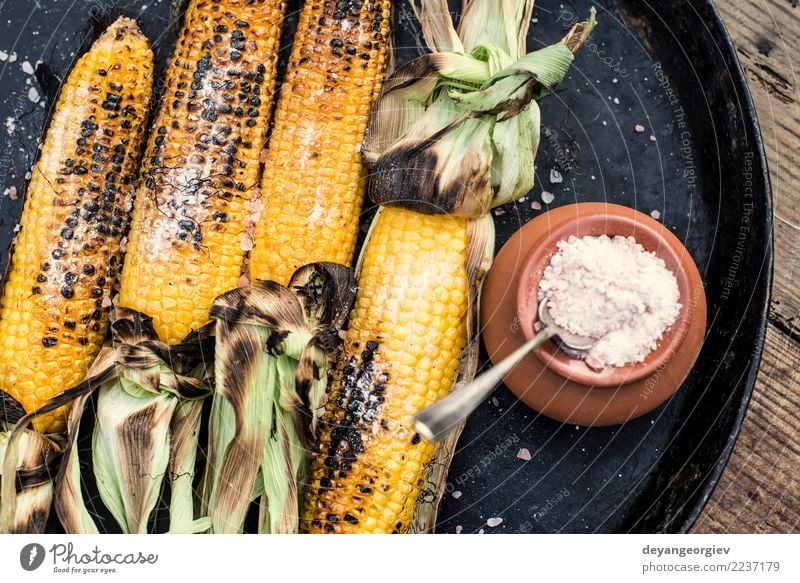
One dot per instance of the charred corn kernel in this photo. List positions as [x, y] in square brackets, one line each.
[314, 178]
[369, 469]
[67, 255]
[200, 174]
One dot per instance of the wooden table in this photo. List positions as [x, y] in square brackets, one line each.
[760, 489]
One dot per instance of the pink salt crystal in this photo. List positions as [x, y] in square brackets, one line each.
[456, 494]
[494, 522]
[612, 290]
[524, 454]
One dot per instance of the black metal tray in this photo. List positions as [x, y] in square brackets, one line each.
[668, 68]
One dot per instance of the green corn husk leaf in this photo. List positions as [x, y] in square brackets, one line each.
[502, 23]
[29, 462]
[437, 25]
[70, 506]
[274, 347]
[512, 166]
[146, 426]
[130, 450]
[446, 126]
[185, 432]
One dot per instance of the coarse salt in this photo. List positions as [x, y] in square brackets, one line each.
[524, 454]
[612, 290]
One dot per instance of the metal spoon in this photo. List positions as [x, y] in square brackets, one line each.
[440, 419]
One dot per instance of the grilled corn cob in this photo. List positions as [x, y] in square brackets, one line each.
[67, 255]
[314, 180]
[201, 167]
[407, 331]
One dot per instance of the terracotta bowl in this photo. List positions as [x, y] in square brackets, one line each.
[552, 382]
[648, 233]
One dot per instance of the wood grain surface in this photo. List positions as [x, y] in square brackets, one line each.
[760, 489]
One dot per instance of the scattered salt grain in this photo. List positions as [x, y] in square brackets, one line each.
[12, 193]
[612, 290]
[639, 128]
[33, 94]
[494, 522]
[652, 138]
[247, 242]
[459, 529]
[524, 454]
[655, 214]
[536, 205]
[499, 212]
[616, 100]
[495, 402]
[547, 197]
[555, 177]
[481, 531]
[11, 125]
[27, 68]
[456, 494]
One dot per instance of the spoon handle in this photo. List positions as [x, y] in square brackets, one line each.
[440, 419]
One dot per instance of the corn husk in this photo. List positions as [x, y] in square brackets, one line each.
[274, 347]
[29, 463]
[11, 410]
[146, 427]
[456, 131]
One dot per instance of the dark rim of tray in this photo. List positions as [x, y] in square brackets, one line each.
[719, 33]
